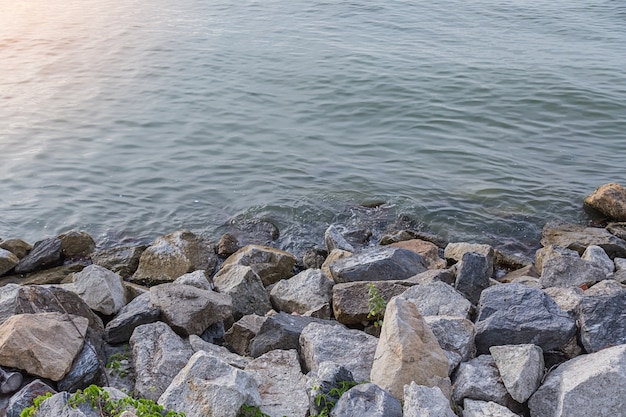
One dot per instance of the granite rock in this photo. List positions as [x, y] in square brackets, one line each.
[137, 312]
[422, 401]
[610, 200]
[45, 254]
[101, 289]
[521, 368]
[367, 400]
[306, 291]
[603, 316]
[242, 332]
[437, 298]
[577, 238]
[245, 288]
[270, 264]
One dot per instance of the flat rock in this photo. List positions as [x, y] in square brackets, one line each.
[437, 298]
[610, 200]
[123, 260]
[8, 260]
[45, 254]
[589, 385]
[76, 244]
[427, 250]
[479, 379]
[44, 344]
[101, 289]
[513, 314]
[521, 368]
[335, 240]
[242, 332]
[367, 400]
[444, 275]
[473, 275]
[603, 316]
[575, 237]
[137, 312]
[455, 336]
[245, 288]
[422, 401]
[473, 408]
[25, 396]
[270, 264]
[308, 290]
[55, 275]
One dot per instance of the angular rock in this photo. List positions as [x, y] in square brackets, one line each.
[521, 368]
[597, 256]
[479, 379]
[245, 288]
[227, 245]
[314, 258]
[422, 401]
[437, 298]
[85, 370]
[209, 387]
[25, 396]
[335, 240]
[620, 271]
[137, 312]
[407, 351]
[565, 271]
[16, 246]
[513, 314]
[444, 275]
[306, 291]
[567, 298]
[197, 344]
[270, 264]
[123, 260]
[102, 290]
[282, 385]
[589, 385]
[8, 296]
[173, 255]
[455, 336]
[542, 255]
[511, 261]
[7, 261]
[350, 300]
[617, 228]
[427, 250]
[58, 405]
[575, 237]
[610, 200]
[45, 254]
[367, 400]
[190, 310]
[527, 271]
[323, 385]
[56, 275]
[242, 332]
[333, 256]
[352, 349]
[473, 408]
[159, 354]
[76, 244]
[196, 279]
[603, 316]
[472, 276]
[455, 251]
[378, 264]
[42, 344]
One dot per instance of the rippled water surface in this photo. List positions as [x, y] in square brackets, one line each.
[481, 119]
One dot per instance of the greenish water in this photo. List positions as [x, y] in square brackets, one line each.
[481, 119]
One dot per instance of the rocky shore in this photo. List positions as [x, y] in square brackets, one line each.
[404, 326]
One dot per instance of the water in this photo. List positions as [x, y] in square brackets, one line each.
[481, 119]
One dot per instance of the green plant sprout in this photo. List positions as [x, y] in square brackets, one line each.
[376, 305]
[327, 401]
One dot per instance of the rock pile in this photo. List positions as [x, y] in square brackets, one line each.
[264, 329]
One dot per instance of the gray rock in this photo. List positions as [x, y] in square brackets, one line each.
[567, 298]
[367, 400]
[314, 258]
[527, 271]
[270, 264]
[565, 271]
[190, 310]
[16, 246]
[102, 290]
[197, 344]
[282, 385]
[8, 296]
[333, 256]
[479, 379]
[58, 406]
[85, 370]
[455, 336]
[245, 288]
[242, 332]
[352, 349]
[548, 252]
[620, 271]
[513, 314]
[530, 281]
[427, 250]
[615, 228]
[123, 260]
[308, 290]
[45, 254]
[422, 401]
[521, 368]
[603, 316]
[137, 312]
[323, 384]
[589, 385]
[610, 200]
[444, 275]
[209, 387]
[25, 396]
[378, 264]
[472, 276]
[455, 251]
[473, 408]
[335, 240]
[159, 354]
[437, 298]
[76, 244]
[577, 238]
[196, 279]
[227, 245]
[7, 261]
[597, 256]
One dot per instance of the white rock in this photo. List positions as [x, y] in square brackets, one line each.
[101, 289]
[521, 368]
[474, 408]
[421, 401]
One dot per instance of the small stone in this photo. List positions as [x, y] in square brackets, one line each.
[610, 200]
[314, 258]
[227, 245]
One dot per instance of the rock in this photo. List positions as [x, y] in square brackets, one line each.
[102, 290]
[10, 381]
[378, 264]
[527, 271]
[617, 228]
[473, 408]
[159, 354]
[270, 264]
[306, 291]
[137, 312]
[422, 401]
[85, 370]
[567, 298]
[577, 238]
[227, 245]
[436, 298]
[509, 261]
[620, 271]
[282, 385]
[367, 400]
[196, 279]
[25, 396]
[335, 240]
[76, 244]
[603, 316]
[444, 275]
[333, 256]
[209, 387]
[352, 349]
[597, 256]
[610, 200]
[542, 255]
[521, 368]
[589, 385]
[407, 351]
[242, 332]
[350, 300]
[58, 405]
[455, 336]
[427, 250]
[565, 271]
[479, 379]
[7, 261]
[45, 254]
[455, 251]
[8, 295]
[16, 246]
[314, 258]
[401, 235]
[173, 255]
[56, 275]
[190, 310]
[513, 314]
[197, 344]
[245, 288]
[42, 344]
[323, 385]
[123, 260]
[472, 276]
[530, 281]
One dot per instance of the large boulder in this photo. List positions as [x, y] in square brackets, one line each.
[367, 400]
[246, 290]
[407, 351]
[438, 298]
[137, 312]
[270, 264]
[521, 368]
[7, 261]
[76, 244]
[45, 254]
[479, 379]
[589, 385]
[44, 344]
[378, 264]
[173, 255]
[575, 237]
[123, 260]
[603, 316]
[242, 332]
[427, 250]
[102, 290]
[422, 401]
[610, 200]
[513, 314]
[309, 290]
[209, 387]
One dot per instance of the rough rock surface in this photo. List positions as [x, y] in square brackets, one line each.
[335, 240]
[137, 312]
[308, 290]
[610, 200]
[479, 379]
[245, 288]
[159, 354]
[324, 383]
[101, 289]
[567, 298]
[123, 260]
[550, 251]
[565, 271]
[472, 275]
[577, 238]
[422, 401]
[447, 276]
[437, 298]
[42, 344]
[227, 245]
[352, 349]
[16, 246]
[521, 368]
[407, 351]
[455, 251]
[25, 396]
[603, 316]
[76, 244]
[378, 264]
[427, 250]
[242, 332]
[7, 261]
[8, 295]
[85, 370]
[473, 408]
[512, 314]
[196, 279]
[589, 385]
[455, 336]
[333, 256]
[270, 264]
[45, 253]
[209, 387]
[597, 256]
[367, 400]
